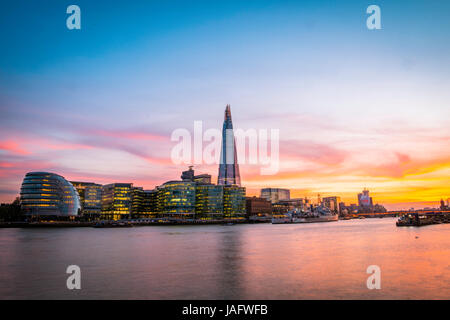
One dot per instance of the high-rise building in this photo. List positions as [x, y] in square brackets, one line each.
[274, 195]
[234, 202]
[137, 201]
[150, 204]
[189, 175]
[116, 201]
[208, 201]
[229, 167]
[176, 199]
[90, 198]
[332, 203]
[443, 205]
[143, 203]
[364, 200]
[48, 195]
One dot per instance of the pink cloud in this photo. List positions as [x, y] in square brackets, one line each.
[13, 147]
[132, 135]
[311, 151]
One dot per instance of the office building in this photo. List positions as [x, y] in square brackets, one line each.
[256, 206]
[46, 195]
[332, 203]
[176, 199]
[116, 201]
[90, 199]
[234, 202]
[189, 175]
[228, 167]
[284, 206]
[364, 199]
[208, 201]
[275, 195]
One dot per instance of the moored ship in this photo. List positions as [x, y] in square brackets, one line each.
[318, 214]
[282, 218]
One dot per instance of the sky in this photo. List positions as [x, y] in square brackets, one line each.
[355, 108]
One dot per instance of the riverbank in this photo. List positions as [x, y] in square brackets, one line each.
[160, 222]
[134, 223]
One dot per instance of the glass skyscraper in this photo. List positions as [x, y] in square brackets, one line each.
[229, 167]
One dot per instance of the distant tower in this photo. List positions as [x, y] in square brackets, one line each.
[364, 200]
[229, 167]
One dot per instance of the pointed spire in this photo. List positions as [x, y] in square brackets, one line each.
[229, 167]
[227, 112]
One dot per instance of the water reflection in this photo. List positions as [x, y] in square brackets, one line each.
[313, 261]
[229, 263]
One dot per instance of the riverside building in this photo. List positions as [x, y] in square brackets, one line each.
[116, 201]
[176, 199]
[195, 197]
[234, 202]
[332, 203]
[275, 195]
[259, 207]
[208, 201]
[46, 195]
[90, 199]
[229, 167]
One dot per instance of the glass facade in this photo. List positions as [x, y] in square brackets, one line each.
[332, 203]
[150, 204]
[90, 197]
[143, 203]
[275, 195]
[209, 202]
[137, 201]
[229, 167]
[199, 199]
[116, 201]
[176, 199]
[234, 202]
[48, 194]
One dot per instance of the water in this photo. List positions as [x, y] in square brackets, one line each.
[263, 261]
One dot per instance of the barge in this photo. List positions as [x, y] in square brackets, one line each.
[418, 219]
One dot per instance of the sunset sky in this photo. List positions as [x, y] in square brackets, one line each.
[355, 107]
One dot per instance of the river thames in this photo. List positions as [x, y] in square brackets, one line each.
[259, 261]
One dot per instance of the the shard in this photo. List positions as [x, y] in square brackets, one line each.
[229, 167]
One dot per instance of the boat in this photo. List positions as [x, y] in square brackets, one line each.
[318, 214]
[114, 224]
[282, 218]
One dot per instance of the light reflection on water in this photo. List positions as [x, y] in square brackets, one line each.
[264, 261]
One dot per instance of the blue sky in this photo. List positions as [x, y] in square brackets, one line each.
[311, 68]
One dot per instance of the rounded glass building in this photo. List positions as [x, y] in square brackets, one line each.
[48, 194]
